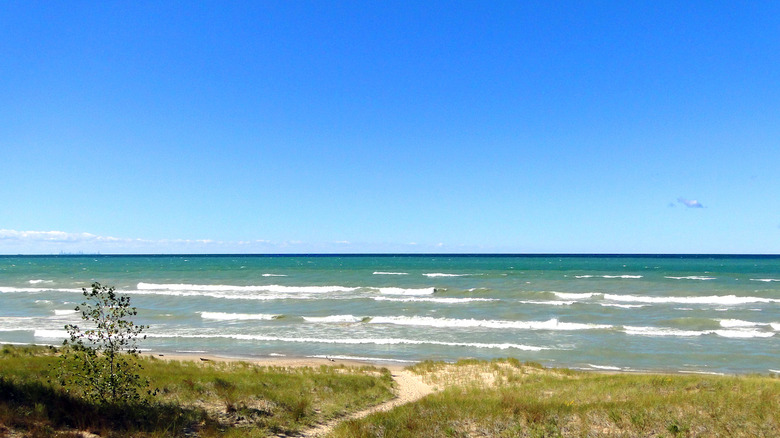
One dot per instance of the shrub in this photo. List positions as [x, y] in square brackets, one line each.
[102, 360]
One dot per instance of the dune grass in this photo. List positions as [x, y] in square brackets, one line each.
[505, 398]
[193, 398]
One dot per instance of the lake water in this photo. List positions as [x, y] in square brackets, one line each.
[701, 314]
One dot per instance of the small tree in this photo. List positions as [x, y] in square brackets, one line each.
[93, 358]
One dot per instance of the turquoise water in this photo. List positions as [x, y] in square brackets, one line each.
[643, 313]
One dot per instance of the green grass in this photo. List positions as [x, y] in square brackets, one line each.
[509, 399]
[194, 398]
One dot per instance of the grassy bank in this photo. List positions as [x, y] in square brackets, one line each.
[502, 398]
[509, 399]
[194, 398]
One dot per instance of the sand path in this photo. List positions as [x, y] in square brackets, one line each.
[410, 388]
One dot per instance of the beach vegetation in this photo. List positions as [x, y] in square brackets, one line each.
[100, 360]
[195, 398]
[507, 398]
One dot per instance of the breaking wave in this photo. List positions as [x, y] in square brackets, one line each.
[221, 316]
[229, 288]
[355, 341]
[402, 291]
[334, 319]
[426, 321]
[435, 300]
[664, 331]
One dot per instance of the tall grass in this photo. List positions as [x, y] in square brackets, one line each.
[509, 399]
[201, 399]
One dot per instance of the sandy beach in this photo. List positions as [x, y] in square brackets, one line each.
[409, 387]
[273, 361]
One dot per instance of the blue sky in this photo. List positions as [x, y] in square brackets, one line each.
[272, 127]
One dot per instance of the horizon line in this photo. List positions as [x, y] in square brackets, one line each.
[401, 254]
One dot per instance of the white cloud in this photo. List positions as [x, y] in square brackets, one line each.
[690, 203]
[35, 242]
[57, 242]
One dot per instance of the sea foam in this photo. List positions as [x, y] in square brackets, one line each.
[426, 321]
[402, 291]
[230, 288]
[51, 334]
[664, 331]
[221, 316]
[354, 341]
[435, 300]
[578, 296]
[604, 367]
[712, 299]
[333, 319]
[5, 289]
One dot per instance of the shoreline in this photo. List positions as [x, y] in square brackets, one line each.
[284, 361]
[394, 365]
[303, 361]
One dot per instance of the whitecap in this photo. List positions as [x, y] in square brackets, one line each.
[353, 341]
[274, 275]
[766, 280]
[663, 331]
[577, 296]
[548, 303]
[743, 334]
[333, 319]
[230, 288]
[51, 334]
[402, 291]
[435, 300]
[731, 323]
[41, 281]
[692, 277]
[660, 331]
[713, 299]
[5, 289]
[221, 316]
[604, 367]
[439, 274]
[62, 312]
[426, 321]
[624, 306]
